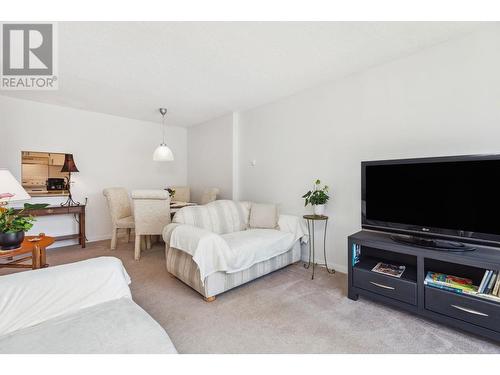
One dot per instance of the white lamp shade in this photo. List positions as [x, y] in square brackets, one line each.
[163, 153]
[10, 189]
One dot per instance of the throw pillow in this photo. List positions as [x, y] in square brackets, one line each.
[264, 216]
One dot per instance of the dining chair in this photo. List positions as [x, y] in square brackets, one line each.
[151, 215]
[182, 193]
[121, 212]
[209, 195]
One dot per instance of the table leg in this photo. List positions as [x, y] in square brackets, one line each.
[82, 229]
[43, 258]
[313, 247]
[324, 249]
[306, 266]
[35, 257]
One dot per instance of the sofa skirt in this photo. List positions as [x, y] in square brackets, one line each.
[181, 265]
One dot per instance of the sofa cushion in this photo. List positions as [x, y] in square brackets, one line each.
[222, 216]
[114, 327]
[257, 245]
[264, 216]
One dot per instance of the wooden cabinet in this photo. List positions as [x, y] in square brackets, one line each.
[56, 159]
[467, 312]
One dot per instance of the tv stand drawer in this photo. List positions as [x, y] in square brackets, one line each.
[399, 289]
[459, 306]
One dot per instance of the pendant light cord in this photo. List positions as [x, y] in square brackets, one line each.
[163, 128]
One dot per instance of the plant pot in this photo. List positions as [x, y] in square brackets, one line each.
[319, 209]
[10, 241]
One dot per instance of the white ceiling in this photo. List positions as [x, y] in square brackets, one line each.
[202, 70]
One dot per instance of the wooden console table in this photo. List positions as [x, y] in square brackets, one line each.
[59, 210]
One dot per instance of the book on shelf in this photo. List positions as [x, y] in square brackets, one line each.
[496, 289]
[389, 269]
[356, 253]
[491, 297]
[491, 283]
[450, 283]
[488, 289]
[483, 281]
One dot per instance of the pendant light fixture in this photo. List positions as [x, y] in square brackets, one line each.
[163, 152]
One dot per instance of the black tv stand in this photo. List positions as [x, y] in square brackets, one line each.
[472, 313]
[430, 243]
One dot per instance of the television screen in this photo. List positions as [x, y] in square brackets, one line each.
[452, 196]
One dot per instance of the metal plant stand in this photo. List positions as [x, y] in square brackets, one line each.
[310, 229]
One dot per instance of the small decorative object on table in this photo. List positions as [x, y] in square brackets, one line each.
[70, 167]
[310, 229]
[317, 198]
[171, 192]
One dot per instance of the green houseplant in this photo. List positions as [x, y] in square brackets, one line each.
[317, 197]
[14, 224]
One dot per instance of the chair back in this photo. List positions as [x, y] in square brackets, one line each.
[151, 211]
[209, 195]
[118, 202]
[182, 193]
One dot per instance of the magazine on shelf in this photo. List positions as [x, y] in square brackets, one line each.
[389, 269]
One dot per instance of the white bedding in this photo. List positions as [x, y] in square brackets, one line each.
[31, 297]
[235, 251]
[115, 327]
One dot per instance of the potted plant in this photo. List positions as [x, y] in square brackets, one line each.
[14, 224]
[317, 197]
[171, 192]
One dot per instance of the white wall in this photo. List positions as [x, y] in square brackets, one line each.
[210, 157]
[108, 151]
[442, 101]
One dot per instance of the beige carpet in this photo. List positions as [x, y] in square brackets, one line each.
[284, 312]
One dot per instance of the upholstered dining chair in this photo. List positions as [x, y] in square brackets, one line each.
[151, 215]
[209, 195]
[121, 212]
[182, 193]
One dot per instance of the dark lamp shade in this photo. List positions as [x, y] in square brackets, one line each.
[69, 164]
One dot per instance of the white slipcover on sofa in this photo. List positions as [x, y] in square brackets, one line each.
[82, 307]
[212, 248]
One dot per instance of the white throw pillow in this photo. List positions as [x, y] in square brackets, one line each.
[264, 216]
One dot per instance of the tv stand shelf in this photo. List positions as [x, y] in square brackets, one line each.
[470, 313]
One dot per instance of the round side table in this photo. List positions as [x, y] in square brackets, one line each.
[311, 219]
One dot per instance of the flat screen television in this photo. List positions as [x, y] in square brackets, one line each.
[454, 197]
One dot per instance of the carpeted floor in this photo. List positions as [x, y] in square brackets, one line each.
[284, 312]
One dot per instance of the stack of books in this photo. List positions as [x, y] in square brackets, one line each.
[450, 283]
[488, 289]
[490, 286]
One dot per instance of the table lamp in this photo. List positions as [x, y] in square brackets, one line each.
[69, 166]
[10, 189]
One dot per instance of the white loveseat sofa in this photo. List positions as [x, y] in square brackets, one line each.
[213, 249]
[79, 308]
